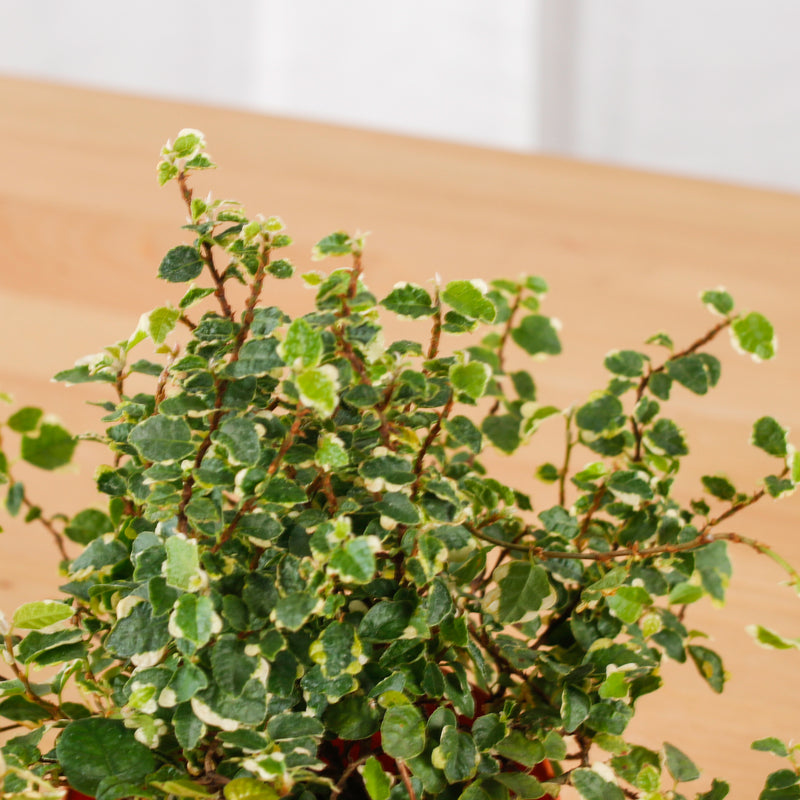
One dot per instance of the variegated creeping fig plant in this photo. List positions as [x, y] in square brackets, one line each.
[300, 581]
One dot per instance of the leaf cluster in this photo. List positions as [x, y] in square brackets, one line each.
[301, 580]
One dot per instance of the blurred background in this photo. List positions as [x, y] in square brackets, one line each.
[705, 88]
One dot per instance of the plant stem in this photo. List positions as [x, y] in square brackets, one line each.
[222, 387]
[643, 552]
[52, 709]
[501, 349]
[206, 252]
[288, 441]
[161, 386]
[429, 440]
[643, 383]
[693, 347]
[436, 332]
[406, 778]
[48, 524]
[351, 768]
[587, 520]
[562, 475]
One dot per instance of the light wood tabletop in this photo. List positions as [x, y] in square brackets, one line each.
[84, 225]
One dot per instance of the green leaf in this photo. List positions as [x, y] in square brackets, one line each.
[193, 619]
[14, 498]
[488, 730]
[679, 765]
[409, 300]
[166, 172]
[630, 486]
[456, 755]
[189, 679]
[36, 643]
[754, 334]
[337, 650]
[335, 244]
[779, 487]
[660, 384]
[194, 295]
[719, 486]
[249, 789]
[602, 413]
[615, 685]
[385, 621]
[471, 379]
[331, 452]
[771, 745]
[181, 787]
[627, 603]
[183, 562]
[91, 750]
[690, 371]
[718, 300]
[524, 385]
[289, 725]
[403, 731]
[524, 786]
[161, 438]
[627, 363]
[160, 322]
[354, 562]
[189, 729]
[240, 438]
[302, 344]
[537, 334]
[181, 264]
[718, 791]
[665, 438]
[784, 784]
[214, 706]
[257, 357]
[20, 709]
[519, 749]
[770, 437]
[51, 449]
[352, 718]
[25, 420]
[575, 707]
[464, 431]
[772, 640]
[397, 506]
[469, 299]
[503, 431]
[684, 593]
[318, 388]
[187, 142]
[88, 525]
[709, 664]
[292, 611]
[592, 786]
[392, 469]
[521, 589]
[137, 633]
[376, 781]
[281, 268]
[282, 490]
[41, 614]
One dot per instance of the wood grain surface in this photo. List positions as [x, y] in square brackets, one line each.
[84, 225]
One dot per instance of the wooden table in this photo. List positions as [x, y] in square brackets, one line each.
[83, 227]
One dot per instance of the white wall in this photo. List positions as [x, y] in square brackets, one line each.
[699, 87]
[456, 69]
[704, 87]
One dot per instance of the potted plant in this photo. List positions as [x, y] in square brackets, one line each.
[301, 581]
